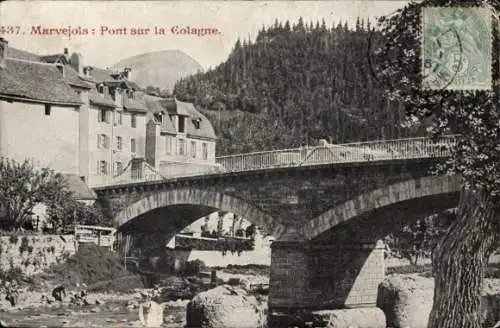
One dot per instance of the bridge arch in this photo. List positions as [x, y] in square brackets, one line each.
[423, 188]
[206, 198]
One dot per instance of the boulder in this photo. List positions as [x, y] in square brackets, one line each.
[349, 318]
[407, 300]
[225, 307]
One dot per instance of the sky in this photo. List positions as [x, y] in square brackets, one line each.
[109, 25]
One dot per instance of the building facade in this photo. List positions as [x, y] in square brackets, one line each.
[115, 127]
[39, 112]
[95, 123]
[179, 139]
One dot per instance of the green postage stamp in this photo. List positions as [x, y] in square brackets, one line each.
[456, 48]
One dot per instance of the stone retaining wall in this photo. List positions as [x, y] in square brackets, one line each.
[33, 253]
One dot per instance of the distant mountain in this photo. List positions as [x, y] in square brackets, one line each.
[160, 69]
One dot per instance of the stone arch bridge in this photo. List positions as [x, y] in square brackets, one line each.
[326, 206]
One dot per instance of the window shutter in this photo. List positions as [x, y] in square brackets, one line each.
[98, 168]
[98, 141]
[106, 141]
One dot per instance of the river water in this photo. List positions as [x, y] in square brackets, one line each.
[114, 314]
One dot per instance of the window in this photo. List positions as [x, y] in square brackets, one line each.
[133, 146]
[193, 149]
[119, 143]
[182, 128]
[204, 149]
[133, 120]
[196, 124]
[181, 148]
[168, 145]
[103, 115]
[102, 141]
[118, 118]
[118, 168]
[47, 109]
[100, 88]
[103, 168]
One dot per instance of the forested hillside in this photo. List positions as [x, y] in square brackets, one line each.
[293, 85]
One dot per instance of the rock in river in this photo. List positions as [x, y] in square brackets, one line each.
[225, 307]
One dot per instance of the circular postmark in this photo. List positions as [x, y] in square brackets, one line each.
[443, 58]
[456, 48]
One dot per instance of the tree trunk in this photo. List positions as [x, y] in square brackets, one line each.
[459, 262]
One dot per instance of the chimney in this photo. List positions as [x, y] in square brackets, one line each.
[3, 51]
[66, 54]
[127, 73]
[76, 61]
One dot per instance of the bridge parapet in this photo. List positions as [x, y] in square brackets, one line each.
[357, 152]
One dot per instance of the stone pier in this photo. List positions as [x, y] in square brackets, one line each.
[307, 277]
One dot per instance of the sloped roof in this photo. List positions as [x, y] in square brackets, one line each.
[21, 54]
[188, 108]
[176, 107]
[51, 59]
[154, 106]
[153, 103]
[79, 188]
[97, 99]
[102, 75]
[123, 82]
[134, 105]
[36, 81]
[206, 130]
[173, 108]
[71, 77]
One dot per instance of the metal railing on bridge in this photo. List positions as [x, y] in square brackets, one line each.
[381, 150]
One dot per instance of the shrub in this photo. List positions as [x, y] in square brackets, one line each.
[24, 245]
[14, 273]
[193, 268]
[13, 239]
[91, 265]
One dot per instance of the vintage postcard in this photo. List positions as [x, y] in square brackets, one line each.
[249, 164]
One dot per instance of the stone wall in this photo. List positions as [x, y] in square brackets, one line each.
[33, 253]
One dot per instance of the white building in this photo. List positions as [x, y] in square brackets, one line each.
[39, 112]
[179, 139]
